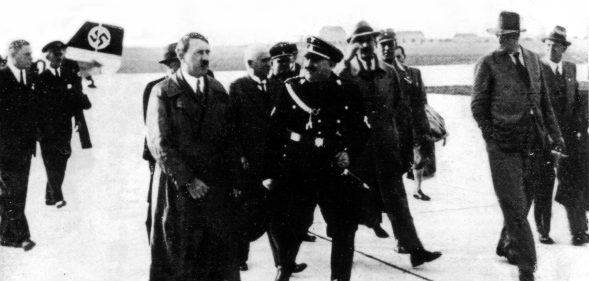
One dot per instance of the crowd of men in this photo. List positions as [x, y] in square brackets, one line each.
[228, 167]
[36, 105]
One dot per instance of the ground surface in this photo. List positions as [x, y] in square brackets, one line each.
[100, 234]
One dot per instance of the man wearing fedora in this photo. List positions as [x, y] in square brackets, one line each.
[316, 132]
[512, 108]
[571, 112]
[171, 62]
[60, 93]
[398, 122]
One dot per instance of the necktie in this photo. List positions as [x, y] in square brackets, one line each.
[22, 78]
[198, 91]
[521, 69]
[369, 65]
[263, 86]
[557, 71]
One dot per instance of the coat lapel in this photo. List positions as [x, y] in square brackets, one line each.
[569, 76]
[256, 96]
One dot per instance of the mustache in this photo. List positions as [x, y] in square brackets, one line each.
[204, 63]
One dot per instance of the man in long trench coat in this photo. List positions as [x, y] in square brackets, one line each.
[189, 134]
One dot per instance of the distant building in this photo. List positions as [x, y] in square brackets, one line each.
[410, 37]
[333, 34]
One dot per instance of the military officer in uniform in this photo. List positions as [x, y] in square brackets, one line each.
[60, 93]
[317, 130]
[283, 66]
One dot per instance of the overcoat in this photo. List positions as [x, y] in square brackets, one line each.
[191, 136]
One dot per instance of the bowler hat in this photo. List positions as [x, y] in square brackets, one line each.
[54, 45]
[508, 23]
[324, 49]
[362, 29]
[559, 34]
[170, 54]
[386, 35]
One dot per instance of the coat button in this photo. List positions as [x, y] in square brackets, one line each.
[319, 133]
[294, 107]
[319, 121]
[338, 121]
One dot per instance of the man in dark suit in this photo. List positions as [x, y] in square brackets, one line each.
[571, 111]
[18, 124]
[190, 135]
[424, 160]
[60, 94]
[171, 62]
[397, 123]
[251, 98]
[316, 131]
[512, 107]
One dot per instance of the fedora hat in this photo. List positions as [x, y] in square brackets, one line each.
[508, 23]
[169, 54]
[362, 29]
[559, 34]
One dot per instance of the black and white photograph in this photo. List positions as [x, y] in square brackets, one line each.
[278, 140]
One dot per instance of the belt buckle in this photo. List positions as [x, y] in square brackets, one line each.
[295, 137]
[319, 142]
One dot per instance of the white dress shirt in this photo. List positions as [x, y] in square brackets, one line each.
[554, 66]
[261, 83]
[521, 56]
[54, 70]
[193, 81]
[365, 66]
[17, 72]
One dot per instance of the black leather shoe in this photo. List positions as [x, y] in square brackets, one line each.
[422, 256]
[379, 232]
[60, 204]
[243, 267]
[421, 196]
[580, 239]
[401, 250]
[309, 238]
[282, 274]
[28, 245]
[299, 267]
[50, 202]
[545, 239]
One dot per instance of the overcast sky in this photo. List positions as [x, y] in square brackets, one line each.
[155, 23]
